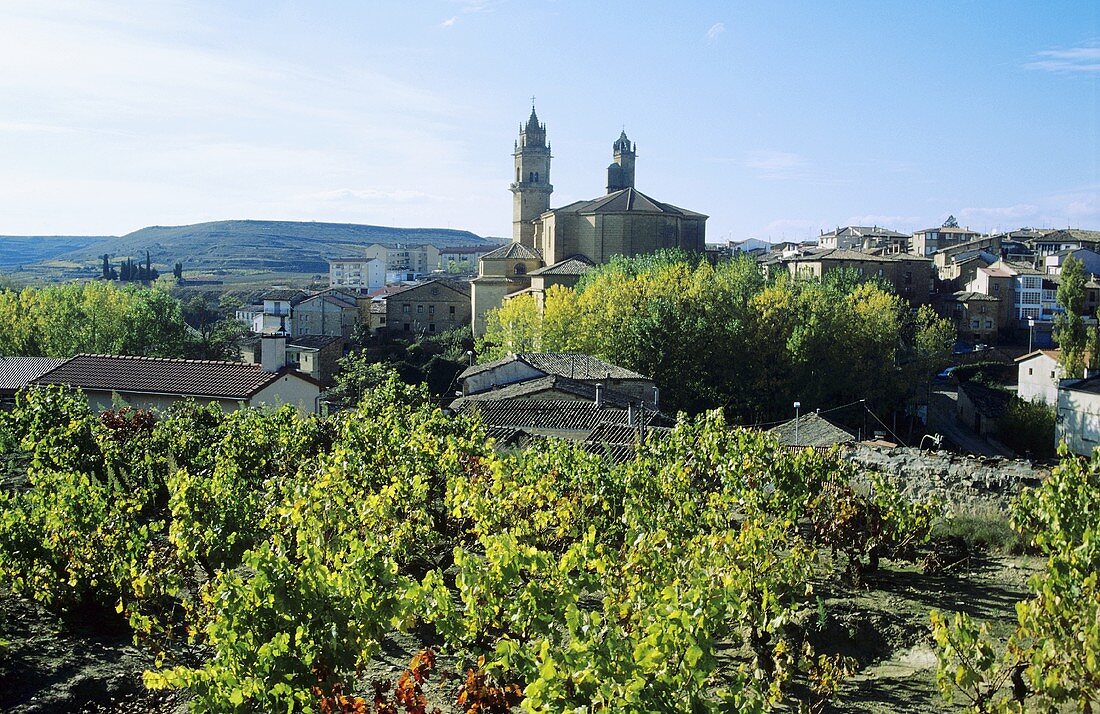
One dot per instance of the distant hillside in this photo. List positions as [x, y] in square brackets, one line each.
[16, 251]
[278, 246]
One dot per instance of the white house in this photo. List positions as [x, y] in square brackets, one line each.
[1078, 422]
[357, 273]
[278, 311]
[1039, 375]
[1090, 259]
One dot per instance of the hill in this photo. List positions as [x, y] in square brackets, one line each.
[239, 246]
[16, 251]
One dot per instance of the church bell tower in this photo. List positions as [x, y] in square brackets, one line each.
[620, 174]
[531, 189]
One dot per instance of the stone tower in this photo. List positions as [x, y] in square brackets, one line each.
[531, 190]
[620, 174]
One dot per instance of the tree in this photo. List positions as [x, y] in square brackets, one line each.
[106, 267]
[1069, 328]
[177, 270]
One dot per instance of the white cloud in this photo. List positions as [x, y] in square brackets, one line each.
[1018, 211]
[1073, 60]
[449, 22]
[373, 195]
[896, 223]
[715, 30]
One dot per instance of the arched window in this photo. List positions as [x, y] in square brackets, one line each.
[531, 177]
[536, 177]
[521, 269]
[518, 179]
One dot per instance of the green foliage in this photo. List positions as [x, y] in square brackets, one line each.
[1069, 328]
[720, 336]
[95, 316]
[991, 532]
[1028, 427]
[1052, 659]
[882, 523]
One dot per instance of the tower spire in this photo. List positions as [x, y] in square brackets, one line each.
[531, 189]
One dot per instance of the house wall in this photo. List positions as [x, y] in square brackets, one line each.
[429, 308]
[507, 373]
[967, 414]
[288, 389]
[1038, 379]
[977, 321]
[102, 400]
[358, 275]
[1078, 421]
[319, 316]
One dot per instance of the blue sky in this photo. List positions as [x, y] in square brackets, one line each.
[777, 119]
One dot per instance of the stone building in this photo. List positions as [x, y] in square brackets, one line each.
[625, 221]
[427, 308]
[910, 276]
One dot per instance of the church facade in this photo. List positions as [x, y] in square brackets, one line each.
[555, 246]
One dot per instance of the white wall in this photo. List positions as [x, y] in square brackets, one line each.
[288, 389]
[1038, 379]
[1078, 420]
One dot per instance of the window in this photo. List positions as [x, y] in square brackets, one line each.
[996, 288]
[1052, 374]
[975, 323]
[520, 269]
[989, 324]
[406, 327]
[431, 309]
[1030, 371]
[431, 327]
[405, 308]
[419, 309]
[452, 309]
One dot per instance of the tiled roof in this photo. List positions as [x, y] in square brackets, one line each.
[813, 430]
[313, 342]
[1089, 384]
[462, 287]
[285, 295]
[564, 364]
[573, 265]
[512, 251]
[553, 414]
[17, 372]
[550, 383]
[855, 255]
[1055, 355]
[864, 232]
[156, 375]
[627, 200]
[971, 296]
[987, 401]
[1071, 234]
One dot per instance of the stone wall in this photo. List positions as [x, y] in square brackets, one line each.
[965, 483]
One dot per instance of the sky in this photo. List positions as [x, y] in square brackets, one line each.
[777, 119]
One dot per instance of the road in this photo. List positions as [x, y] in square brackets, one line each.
[941, 418]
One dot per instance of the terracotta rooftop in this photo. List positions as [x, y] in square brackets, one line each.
[551, 383]
[627, 200]
[573, 265]
[512, 251]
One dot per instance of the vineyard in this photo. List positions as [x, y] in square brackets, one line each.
[265, 561]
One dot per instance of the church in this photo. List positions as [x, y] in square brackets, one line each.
[556, 246]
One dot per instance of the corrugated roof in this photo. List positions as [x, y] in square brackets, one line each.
[18, 372]
[157, 375]
[564, 364]
[813, 430]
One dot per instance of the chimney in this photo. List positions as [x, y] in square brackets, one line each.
[599, 395]
[273, 351]
[630, 414]
[656, 398]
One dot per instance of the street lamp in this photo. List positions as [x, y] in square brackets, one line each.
[1030, 332]
[797, 405]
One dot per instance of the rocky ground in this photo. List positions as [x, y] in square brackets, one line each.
[89, 664]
